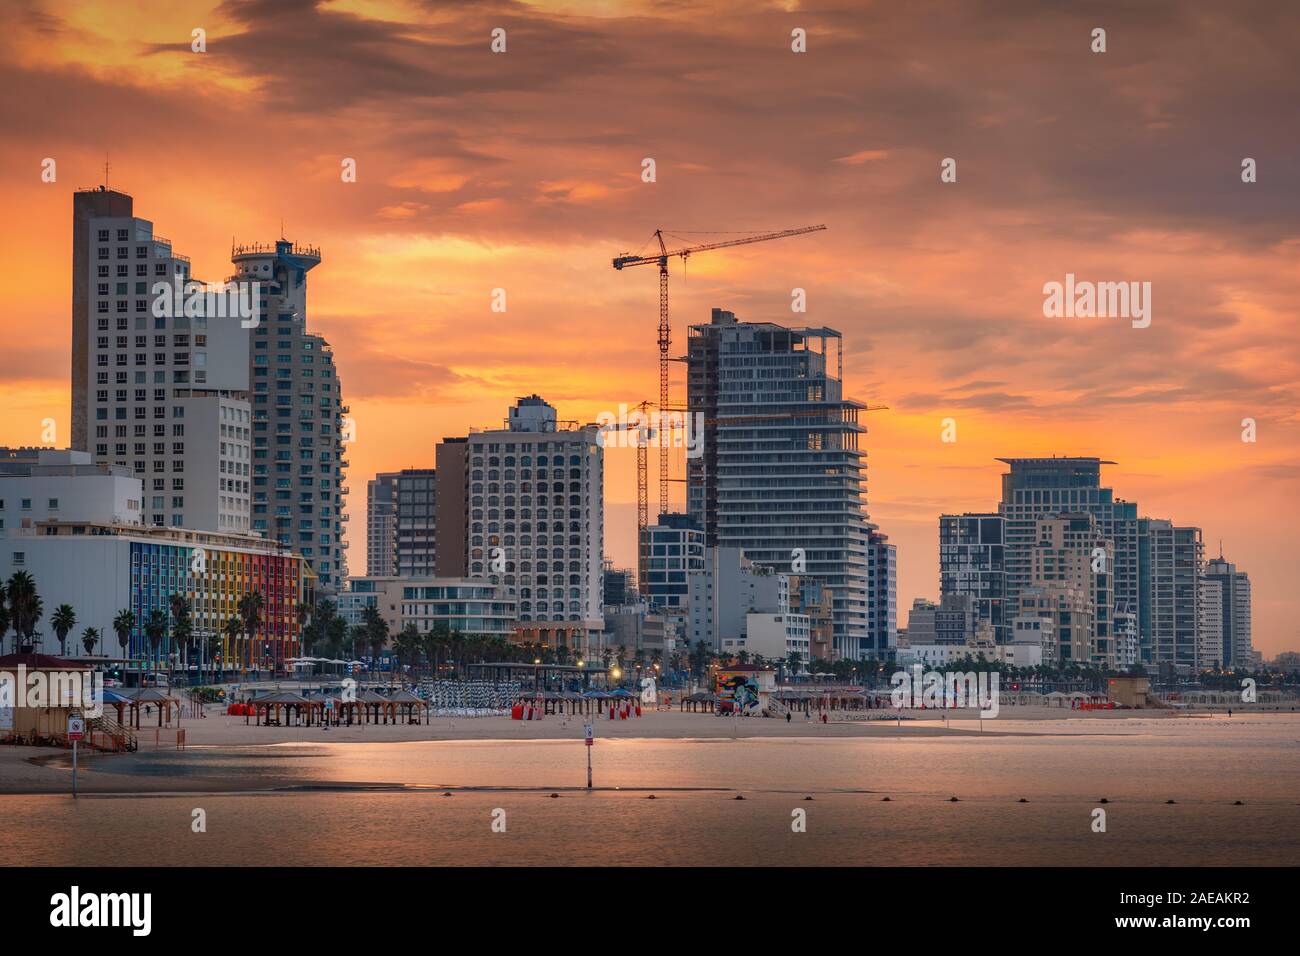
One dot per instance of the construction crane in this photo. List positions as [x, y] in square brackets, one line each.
[665, 329]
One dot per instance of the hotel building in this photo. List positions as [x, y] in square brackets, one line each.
[536, 523]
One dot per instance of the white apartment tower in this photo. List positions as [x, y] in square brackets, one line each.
[537, 523]
[155, 390]
[1233, 586]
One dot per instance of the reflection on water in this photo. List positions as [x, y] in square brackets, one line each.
[1062, 777]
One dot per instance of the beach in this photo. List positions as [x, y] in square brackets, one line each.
[45, 770]
[674, 788]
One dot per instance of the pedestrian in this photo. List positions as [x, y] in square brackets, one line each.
[787, 716]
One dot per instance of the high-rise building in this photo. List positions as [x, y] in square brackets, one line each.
[673, 548]
[157, 389]
[780, 476]
[1209, 625]
[882, 597]
[298, 414]
[1170, 562]
[1234, 601]
[1069, 550]
[536, 523]
[971, 563]
[381, 525]
[1034, 488]
[417, 537]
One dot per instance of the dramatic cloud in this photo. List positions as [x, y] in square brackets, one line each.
[522, 171]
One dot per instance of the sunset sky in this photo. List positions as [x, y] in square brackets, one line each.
[522, 171]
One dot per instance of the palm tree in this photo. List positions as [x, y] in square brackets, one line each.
[250, 612]
[407, 644]
[376, 633]
[155, 629]
[25, 609]
[231, 631]
[182, 626]
[123, 625]
[4, 616]
[63, 621]
[89, 638]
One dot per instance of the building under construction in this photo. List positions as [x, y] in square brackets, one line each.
[781, 475]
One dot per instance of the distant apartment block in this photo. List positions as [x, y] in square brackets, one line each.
[417, 533]
[381, 524]
[971, 563]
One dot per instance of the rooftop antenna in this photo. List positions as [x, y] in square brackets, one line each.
[105, 169]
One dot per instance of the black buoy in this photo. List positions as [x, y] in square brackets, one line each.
[739, 797]
[807, 798]
[884, 800]
[1022, 800]
[1169, 801]
[555, 796]
[651, 797]
[1238, 803]
[953, 800]
[1103, 800]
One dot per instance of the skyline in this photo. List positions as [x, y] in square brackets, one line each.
[936, 325]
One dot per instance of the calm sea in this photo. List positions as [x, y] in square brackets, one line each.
[387, 803]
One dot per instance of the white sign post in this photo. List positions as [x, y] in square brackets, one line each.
[591, 742]
[76, 731]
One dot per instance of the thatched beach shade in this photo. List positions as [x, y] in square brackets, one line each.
[153, 697]
[414, 705]
[375, 707]
[286, 706]
[701, 702]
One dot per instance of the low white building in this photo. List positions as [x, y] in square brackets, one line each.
[466, 605]
[57, 484]
[773, 636]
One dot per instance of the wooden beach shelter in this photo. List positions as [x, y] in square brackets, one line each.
[283, 709]
[702, 702]
[413, 705]
[20, 723]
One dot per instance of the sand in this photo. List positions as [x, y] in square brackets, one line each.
[45, 770]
